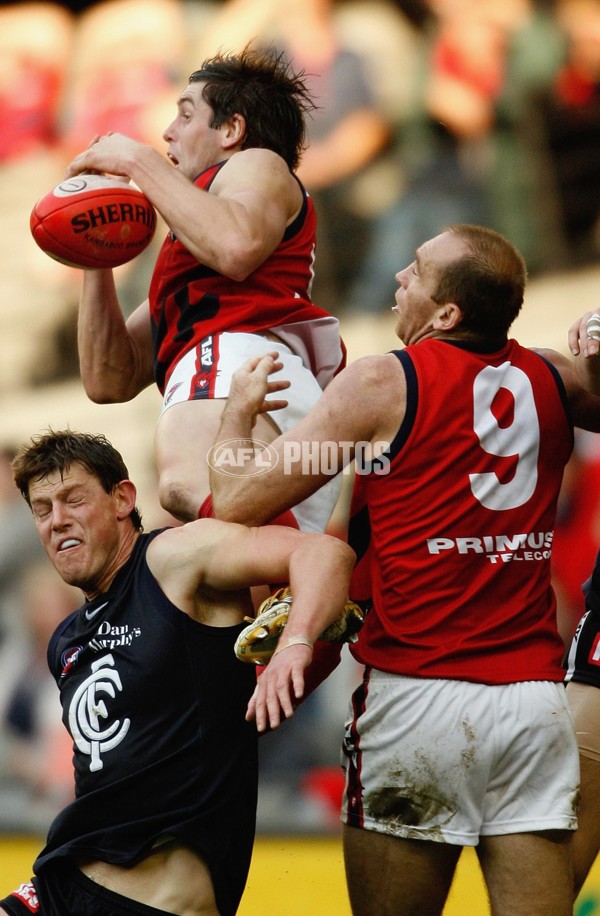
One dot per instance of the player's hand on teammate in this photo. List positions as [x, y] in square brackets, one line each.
[251, 384]
[584, 335]
[280, 687]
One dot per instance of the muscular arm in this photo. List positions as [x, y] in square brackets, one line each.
[233, 227]
[210, 556]
[365, 404]
[202, 563]
[115, 357]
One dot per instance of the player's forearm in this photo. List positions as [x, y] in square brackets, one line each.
[231, 490]
[217, 231]
[320, 570]
[200, 221]
[106, 354]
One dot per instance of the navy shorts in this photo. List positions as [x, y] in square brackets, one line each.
[63, 890]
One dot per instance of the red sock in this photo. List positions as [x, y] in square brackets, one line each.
[286, 518]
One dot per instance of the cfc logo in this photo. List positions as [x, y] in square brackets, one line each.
[89, 715]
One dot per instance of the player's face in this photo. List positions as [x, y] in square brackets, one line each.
[417, 283]
[78, 523]
[192, 144]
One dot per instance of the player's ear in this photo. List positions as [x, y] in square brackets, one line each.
[234, 131]
[125, 495]
[448, 317]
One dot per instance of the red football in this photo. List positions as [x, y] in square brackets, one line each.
[93, 221]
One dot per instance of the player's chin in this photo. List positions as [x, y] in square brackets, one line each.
[68, 566]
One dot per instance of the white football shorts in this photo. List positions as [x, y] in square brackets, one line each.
[205, 372]
[451, 761]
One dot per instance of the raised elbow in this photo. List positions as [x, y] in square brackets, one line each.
[103, 398]
[100, 394]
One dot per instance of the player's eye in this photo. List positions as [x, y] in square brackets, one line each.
[40, 512]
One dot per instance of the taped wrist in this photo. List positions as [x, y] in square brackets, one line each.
[293, 641]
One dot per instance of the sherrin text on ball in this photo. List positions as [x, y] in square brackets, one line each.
[93, 221]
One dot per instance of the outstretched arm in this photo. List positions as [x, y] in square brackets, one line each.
[363, 405]
[202, 564]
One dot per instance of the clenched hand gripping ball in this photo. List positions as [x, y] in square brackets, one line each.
[93, 221]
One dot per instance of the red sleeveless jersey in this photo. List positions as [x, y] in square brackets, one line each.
[462, 523]
[189, 301]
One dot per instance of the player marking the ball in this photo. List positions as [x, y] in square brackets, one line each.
[232, 280]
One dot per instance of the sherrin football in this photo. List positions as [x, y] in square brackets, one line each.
[92, 221]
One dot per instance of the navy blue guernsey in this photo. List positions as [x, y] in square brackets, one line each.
[155, 704]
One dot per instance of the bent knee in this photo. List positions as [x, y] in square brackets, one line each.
[181, 501]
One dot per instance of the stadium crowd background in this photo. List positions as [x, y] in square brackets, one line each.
[429, 113]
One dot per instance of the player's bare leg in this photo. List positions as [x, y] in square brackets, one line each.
[185, 433]
[584, 700]
[388, 876]
[528, 873]
[586, 840]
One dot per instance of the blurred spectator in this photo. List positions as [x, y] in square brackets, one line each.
[126, 68]
[65, 75]
[35, 49]
[520, 179]
[469, 146]
[570, 110]
[37, 749]
[19, 545]
[348, 134]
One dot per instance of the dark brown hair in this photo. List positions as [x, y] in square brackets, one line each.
[262, 87]
[57, 451]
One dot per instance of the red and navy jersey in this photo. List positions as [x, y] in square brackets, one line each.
[462, 522]
[189, 301]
